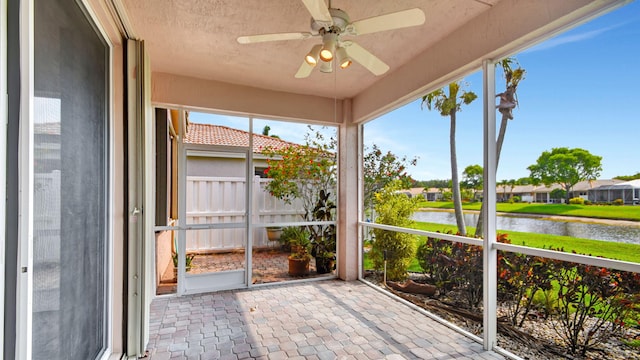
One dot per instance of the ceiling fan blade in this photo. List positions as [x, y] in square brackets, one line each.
[365, 58]
[396, 20]
[319, 11]
[304, 70]
[273, 37]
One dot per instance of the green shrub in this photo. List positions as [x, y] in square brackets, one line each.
[587, 202]
[546, 301]
[576, 201]
[514, 199]
[393, 208]
[453, 266]
[468, 274]
[557, 194]
[434, 257]
[618, 202]
[590, 292]
[520, 277]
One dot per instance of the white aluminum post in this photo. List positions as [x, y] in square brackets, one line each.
[3, 154]
[361, 209]
[181, 247]
[25, 199]
[490, 254]
[149, 200]
[248, 250]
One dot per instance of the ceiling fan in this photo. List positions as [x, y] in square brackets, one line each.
[332, 25]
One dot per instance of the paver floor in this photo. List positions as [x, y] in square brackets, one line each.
[329, 319]
[269, 265]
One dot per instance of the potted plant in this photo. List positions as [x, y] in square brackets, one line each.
[289, 234]
[300, 254]
[324, 252]
[323, 246]
[188, 262]
[274, 233]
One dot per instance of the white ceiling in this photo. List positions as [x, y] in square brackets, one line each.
[197, 38]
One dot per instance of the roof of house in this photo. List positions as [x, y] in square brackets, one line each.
[588, 185]
[633, 184]
[416, 191]
[207, 134]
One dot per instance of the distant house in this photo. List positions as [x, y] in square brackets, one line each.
[435, 194]
[526, 193]
[542, 193]
[581, 189]
[628, 191]
[415, 192]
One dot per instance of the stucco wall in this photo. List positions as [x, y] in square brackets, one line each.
[164, 262]
[219, 167]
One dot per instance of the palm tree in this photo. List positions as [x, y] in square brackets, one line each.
[448, 105]
[508, 101]
[512, 183]
[504, 184]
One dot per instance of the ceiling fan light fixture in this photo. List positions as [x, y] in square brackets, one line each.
[328, 46]
[326, 67]
[344, 61]
[312, 56]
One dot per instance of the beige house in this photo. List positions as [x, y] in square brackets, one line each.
[205, 139]
[78, 251]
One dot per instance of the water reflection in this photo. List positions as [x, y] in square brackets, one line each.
[626, 234]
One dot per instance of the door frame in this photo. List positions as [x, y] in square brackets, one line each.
[233, 279]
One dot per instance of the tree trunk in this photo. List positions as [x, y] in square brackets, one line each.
[499, 141]
[455, 184]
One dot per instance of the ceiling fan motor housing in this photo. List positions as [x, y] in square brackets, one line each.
[340, 22]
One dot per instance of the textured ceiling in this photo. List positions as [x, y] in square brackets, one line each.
[197, 38]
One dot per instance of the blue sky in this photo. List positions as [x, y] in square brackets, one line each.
[582, 89]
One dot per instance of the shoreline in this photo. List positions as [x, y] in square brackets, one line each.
[560, 218]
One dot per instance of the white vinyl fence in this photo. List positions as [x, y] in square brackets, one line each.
[218, 200]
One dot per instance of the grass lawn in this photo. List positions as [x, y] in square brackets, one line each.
[593, 211]
[606, 249]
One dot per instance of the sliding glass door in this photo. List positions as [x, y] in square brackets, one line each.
[70, 184]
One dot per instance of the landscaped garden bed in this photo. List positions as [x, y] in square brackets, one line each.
[548, 309]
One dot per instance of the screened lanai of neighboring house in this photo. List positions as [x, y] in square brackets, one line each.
[627, 192]
[79, 278]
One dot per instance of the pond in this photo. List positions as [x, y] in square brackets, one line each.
[627, 234]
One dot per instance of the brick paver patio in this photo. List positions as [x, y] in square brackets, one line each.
[269, 265]
[329, 319]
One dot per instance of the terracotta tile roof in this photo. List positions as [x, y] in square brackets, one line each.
[206, 134]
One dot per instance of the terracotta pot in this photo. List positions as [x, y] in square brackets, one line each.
[298, 267]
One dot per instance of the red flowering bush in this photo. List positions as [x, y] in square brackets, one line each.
[302, 171]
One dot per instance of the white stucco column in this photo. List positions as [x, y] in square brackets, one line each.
[348, 198]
